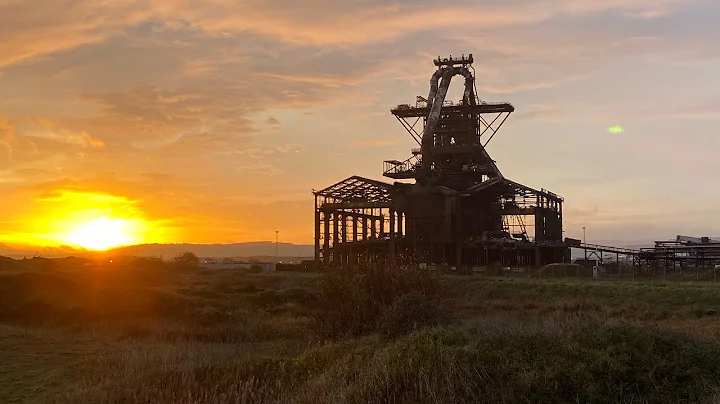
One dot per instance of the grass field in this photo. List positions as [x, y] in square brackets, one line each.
[143, 331]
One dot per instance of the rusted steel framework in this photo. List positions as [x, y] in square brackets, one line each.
[460, 210]
[684, 257]
[355, 216]
[683, 252]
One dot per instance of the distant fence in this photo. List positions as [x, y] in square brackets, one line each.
[305, 266]
[621, 273]
[264, 266]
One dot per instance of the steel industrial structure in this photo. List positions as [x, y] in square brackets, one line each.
[683, 252]
[669, 255]
[460, 210]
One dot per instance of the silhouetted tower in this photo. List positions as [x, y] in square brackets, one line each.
[453, 135]
[450, 161]
[277, 233]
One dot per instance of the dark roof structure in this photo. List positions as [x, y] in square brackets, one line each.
[357, 189]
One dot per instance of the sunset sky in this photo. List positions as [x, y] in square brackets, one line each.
[212, 120]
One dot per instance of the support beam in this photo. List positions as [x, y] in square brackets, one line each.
[392, 234]
[400, 231]
[336, 235]
[317, 234]
[343, 228]
[355, 226]
[326, 241]
[382, 225]
[457, 240]
[364, 228]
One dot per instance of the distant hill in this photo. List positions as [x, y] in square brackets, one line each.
[261, 250]
[48, 252]
[264, 249]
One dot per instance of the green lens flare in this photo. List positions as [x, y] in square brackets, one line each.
[615, 129]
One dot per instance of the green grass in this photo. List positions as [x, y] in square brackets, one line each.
[663, 299]
[143, 332]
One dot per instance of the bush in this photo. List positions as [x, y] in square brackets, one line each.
[355, 303]
[187, 260]
[144, 271]
[412, 312]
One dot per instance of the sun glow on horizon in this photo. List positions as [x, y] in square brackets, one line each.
[88, 220]
[104, 233]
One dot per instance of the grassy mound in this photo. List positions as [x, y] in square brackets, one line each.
[141, 331]
[390, 300]
[609, 364]
[606, 365]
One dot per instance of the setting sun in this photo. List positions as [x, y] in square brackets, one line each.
[90, 220]
[103, 233]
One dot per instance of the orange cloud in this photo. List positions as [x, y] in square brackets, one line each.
[31, 31]
[177, 106]
[376, 142]
[19, 150]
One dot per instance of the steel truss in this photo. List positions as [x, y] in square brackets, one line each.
[352, 212]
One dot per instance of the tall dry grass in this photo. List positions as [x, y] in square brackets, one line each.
[609, 364]
[379, 298]
[147, 332]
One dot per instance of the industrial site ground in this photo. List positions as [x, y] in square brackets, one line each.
[144, 331]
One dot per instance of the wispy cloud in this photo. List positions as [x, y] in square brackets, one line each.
[159, 100]
[376, 142]
[259, 168]
[705, 110]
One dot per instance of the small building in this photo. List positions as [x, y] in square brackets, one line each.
[586, 263]
[229, 263]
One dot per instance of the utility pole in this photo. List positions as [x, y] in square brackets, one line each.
[583, 234]
[277, 232]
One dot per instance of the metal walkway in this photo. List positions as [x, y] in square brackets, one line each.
[607, 249]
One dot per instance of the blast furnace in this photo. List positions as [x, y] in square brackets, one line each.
[457, 208]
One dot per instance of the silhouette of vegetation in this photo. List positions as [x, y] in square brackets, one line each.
[187, 260]
[353, 303]
[138, 330]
